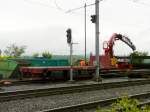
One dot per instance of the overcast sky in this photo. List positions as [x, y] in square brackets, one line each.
[41, 24]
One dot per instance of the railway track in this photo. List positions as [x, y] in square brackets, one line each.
[99, 103]
[15, 95]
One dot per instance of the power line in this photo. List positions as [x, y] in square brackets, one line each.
[141, 3]
[38, 3]
[71, 10]
[57, 6]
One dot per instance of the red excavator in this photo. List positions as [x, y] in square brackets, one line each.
[108, 60]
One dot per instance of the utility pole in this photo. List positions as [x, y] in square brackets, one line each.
[70, 43]
[97, 77]
[85, 32]
[71, 70]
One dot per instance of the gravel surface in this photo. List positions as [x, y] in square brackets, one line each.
[40, 103]
[54, 85]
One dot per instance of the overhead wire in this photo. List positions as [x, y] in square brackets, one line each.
[140, 3]
[57, 6]
[38, 3]
[71, 10]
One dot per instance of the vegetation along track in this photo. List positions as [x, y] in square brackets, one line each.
[99, 103]
[15, 95]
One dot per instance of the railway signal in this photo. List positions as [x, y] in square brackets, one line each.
[93, 18]
[69, 41]
[69, 35]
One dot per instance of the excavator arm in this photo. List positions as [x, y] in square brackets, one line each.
[108, 48]
[127, 41]
[108, 45]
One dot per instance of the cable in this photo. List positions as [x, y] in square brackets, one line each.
[38, 3]
[141, 3]
[71, 10]
[57, 6]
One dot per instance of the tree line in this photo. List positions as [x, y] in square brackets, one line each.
[15, 51]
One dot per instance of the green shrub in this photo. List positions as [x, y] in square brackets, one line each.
[46, 54]
[125, 105]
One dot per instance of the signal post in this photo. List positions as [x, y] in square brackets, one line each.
[69, 41]
[95, 19]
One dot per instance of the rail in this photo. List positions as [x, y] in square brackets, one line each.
[95, 104]
[15, 95]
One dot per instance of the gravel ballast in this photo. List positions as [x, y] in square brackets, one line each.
[42, 103]
[56, 85]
